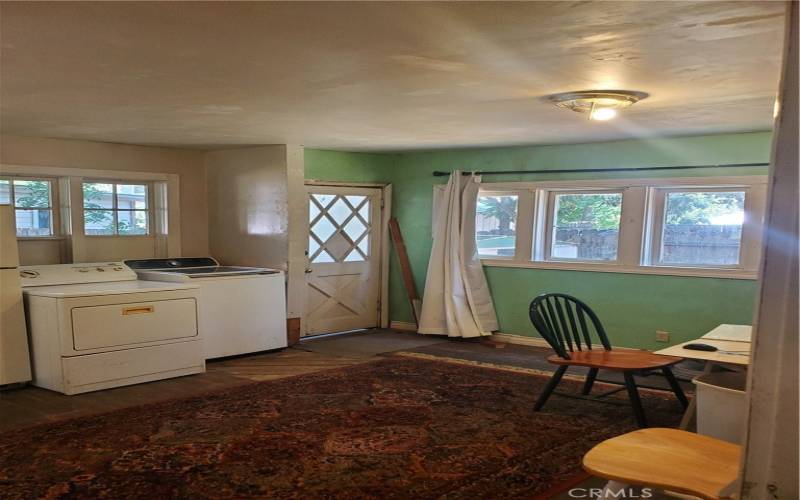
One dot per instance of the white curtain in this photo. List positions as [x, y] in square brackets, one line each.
[457, 302]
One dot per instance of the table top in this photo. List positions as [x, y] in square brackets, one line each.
[730, 351]
[741, 333]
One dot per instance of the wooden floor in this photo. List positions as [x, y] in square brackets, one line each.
[31, 405]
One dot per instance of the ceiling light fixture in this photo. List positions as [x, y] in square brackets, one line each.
[600, 105]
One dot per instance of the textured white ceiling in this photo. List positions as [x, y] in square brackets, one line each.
[382, 76]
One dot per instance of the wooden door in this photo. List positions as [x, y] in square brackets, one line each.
[343, 271]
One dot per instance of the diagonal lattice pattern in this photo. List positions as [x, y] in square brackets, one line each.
[340, 228]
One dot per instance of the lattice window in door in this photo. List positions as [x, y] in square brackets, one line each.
[340, 228]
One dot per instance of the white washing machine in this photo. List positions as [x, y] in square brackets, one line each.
[242, 309]
[95, 326]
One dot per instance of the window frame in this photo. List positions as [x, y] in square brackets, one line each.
[166, 210]
[55, 222]
[634, 250]
[549, 228]
[115, 208]
[651, 255]
[518, 244]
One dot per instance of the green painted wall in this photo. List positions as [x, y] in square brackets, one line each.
[341, 166]
[632, 306]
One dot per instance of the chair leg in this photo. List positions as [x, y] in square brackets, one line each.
[587, 386]
[551, 385]
[676, 387]
[636, 403]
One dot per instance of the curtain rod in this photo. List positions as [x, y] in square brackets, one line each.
[438, 173]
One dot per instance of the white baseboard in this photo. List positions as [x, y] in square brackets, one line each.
[540, 342]
[403, 325]
[520, 339]
[500, 337]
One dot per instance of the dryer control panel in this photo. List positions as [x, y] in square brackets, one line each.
[71, 274]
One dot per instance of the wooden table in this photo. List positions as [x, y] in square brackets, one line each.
[733, 344]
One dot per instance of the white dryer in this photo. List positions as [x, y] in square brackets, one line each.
[95, 326]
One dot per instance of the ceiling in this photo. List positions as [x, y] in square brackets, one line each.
[382, 76]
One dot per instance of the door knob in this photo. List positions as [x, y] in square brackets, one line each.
[309, 270]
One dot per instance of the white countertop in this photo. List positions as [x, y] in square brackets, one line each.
[106, 288]
[740, 333]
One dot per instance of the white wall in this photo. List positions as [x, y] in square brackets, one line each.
[248, 206]
[298, 231]
[770, 456]
[187, 164]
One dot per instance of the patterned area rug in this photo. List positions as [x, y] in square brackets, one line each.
[393, 428]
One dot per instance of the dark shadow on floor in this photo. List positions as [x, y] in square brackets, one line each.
[367, 343]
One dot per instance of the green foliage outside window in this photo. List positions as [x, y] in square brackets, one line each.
[96, 213]
[502, 208]
[699, 208]
[597, 211]
[32, 194]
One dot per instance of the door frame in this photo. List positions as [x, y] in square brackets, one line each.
[386, 214]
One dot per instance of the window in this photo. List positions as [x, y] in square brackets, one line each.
[496, 224]
[585, 226]
[339, 228]
[689, 226]
[700, 228]
[33, 205]
[115, 209]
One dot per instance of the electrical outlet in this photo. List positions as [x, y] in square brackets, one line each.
[662, 336]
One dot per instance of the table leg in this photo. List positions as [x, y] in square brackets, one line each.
[689, 414]
[613, 490]
[691, 411]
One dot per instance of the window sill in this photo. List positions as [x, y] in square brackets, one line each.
[739, 274]
[118, 236]
[496, 258]
[40, 238]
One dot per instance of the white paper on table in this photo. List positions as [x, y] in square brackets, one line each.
[738, 333]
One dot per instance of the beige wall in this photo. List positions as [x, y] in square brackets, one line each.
[124, 247]
[37, 252]
[248, 206]
[187, 164]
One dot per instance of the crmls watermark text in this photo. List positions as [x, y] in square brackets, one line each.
[602, 493]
